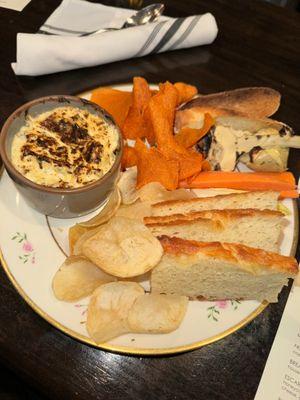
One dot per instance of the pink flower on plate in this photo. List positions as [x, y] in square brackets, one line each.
[222, 304]
[27, 246]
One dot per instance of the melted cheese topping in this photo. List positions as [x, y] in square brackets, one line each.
[65, 148]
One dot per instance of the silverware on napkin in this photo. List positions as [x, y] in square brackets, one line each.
[141, 17]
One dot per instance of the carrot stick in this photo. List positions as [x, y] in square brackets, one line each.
[292, 194]
[279, 181]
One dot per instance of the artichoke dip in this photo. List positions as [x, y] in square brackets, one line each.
[65, 148]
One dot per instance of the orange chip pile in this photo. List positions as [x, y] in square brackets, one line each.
[148, 115]
[162, 109]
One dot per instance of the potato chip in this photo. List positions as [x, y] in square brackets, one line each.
[74, 234]
[123, 247]
[108, 310]
[154, 192]
[77, 248]
[129, 157]
[154, 167]
[77, 278]
[107, 211]
[186, 92]
[157, 313]
[127, 186]
[138, 210]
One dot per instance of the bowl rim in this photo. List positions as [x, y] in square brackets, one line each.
[58, 98]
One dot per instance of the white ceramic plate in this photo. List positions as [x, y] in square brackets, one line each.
[33, 247]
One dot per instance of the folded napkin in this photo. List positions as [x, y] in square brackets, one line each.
[66, 40]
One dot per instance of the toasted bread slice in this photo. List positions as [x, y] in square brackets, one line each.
[267, 200]
[256, 228]
[220, 271]
[253, 102]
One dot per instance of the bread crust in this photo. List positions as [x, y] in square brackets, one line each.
[204, 200]
[218, 216]
[252, 260]
[253, 101]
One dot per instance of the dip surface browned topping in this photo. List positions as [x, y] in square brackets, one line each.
[65, 148]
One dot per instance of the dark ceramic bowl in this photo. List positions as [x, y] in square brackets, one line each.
[56, 202]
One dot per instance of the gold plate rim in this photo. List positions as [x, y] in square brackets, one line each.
[145, 351]
[126, 349]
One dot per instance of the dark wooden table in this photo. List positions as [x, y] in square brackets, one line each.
[258, 44]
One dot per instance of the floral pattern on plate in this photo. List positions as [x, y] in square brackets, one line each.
[27, 253]
[213, 312]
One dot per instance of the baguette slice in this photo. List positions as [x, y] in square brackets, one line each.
[259, 200]
[220, 271]
[253, 102]
[255, 228]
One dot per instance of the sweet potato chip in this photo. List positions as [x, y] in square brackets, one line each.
[134, 125]
[167, 98]
[116, 102]
[141, 93]
[154, 167]
[149, 132]
[162, 110]
[188, 137]
[129, 158]
[185, 92]
[189, 164]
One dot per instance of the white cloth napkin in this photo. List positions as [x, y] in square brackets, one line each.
[60, 46]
